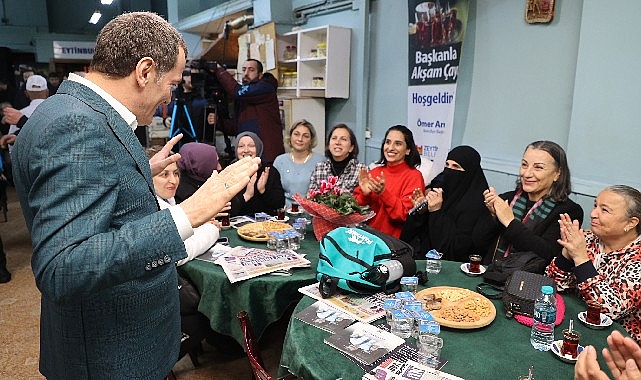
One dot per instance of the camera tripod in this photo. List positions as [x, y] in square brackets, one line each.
[173, 131]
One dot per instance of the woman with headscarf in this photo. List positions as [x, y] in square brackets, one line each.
[197, 163]
[454, 204]
[264, 192]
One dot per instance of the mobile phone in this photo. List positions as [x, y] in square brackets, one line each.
[223, 240]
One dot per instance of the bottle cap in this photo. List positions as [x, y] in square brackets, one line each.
[546, 289]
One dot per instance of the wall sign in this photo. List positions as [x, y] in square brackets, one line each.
[73, 49]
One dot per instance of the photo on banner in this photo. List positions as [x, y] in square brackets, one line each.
[436, 32]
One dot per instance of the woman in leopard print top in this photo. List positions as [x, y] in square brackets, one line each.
[605, 263]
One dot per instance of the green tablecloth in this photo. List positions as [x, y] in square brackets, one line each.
[501, 350]
[265, 298]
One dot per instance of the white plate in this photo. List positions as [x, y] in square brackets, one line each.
[465, 268]
[289, 211]
[556, 350]
[275, 219]
[605, 321]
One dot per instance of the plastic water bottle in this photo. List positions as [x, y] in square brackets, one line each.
[385, 272]
[542, 334]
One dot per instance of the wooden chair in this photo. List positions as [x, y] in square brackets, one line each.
[251, 347]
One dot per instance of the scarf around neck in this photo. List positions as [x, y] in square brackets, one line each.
[530, 218]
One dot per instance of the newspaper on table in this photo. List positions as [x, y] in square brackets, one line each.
[241, 263]
[213, 253]
[364, 342]
[365, 308]
[410, 370]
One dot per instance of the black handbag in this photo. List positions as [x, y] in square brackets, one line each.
[500, 270]
[519, 293]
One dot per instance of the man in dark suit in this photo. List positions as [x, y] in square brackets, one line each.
[103, 254]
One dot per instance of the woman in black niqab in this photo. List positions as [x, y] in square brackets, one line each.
[455, 204]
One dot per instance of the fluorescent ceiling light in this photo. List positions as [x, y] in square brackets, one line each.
[106, 2]
[95, 17]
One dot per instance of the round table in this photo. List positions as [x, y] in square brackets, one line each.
[265, 298]
[499, 350]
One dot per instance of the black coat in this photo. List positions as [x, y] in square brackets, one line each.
[272, 199]
[540, 239]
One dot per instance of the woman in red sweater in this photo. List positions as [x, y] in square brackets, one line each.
[387, 188]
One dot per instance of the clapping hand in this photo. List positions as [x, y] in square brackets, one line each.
[434, 199]
[262, 181]
[498, 207]
[622, 358]
[219, 189]
[572, 240]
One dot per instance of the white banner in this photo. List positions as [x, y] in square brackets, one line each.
[430, 116]
[74, 49]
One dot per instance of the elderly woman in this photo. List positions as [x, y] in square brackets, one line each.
[387, 188]
[604, 263]
[197, 162]
[296, 167]
[264, 192]
[525, 220]
[454, 207]
[342, 162]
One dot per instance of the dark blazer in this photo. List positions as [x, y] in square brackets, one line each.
[103, 254]
[541, 239]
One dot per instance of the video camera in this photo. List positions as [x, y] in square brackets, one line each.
[205, 81]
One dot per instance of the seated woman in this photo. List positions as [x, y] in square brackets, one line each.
[387, 188]
[197, 162]
[342, 162]
[454, 207]
[264, 192]
[296, 167]
[165, 184]
[525, 219]
[604, 263]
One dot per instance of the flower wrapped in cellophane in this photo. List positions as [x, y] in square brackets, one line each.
[331, 207]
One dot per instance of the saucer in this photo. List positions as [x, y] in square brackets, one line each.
[275, 219]
[465, 268]
[556, 350]
[289, 211]
[605, 321]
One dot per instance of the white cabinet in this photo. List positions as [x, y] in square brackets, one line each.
[320, 65]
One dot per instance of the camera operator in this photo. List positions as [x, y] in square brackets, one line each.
[187, 97]
[255, 106]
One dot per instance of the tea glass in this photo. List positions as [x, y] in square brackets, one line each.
[570, 343]
[475, 264]
[593, 315]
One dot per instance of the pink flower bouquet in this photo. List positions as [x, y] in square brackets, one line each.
[332, 207]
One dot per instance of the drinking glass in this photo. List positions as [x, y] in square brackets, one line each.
[475, 264]
[570, 343]
[401, 324]
[429, 349]
[593, 314]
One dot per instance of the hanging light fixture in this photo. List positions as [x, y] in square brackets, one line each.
[95, 17]
[106, 2]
